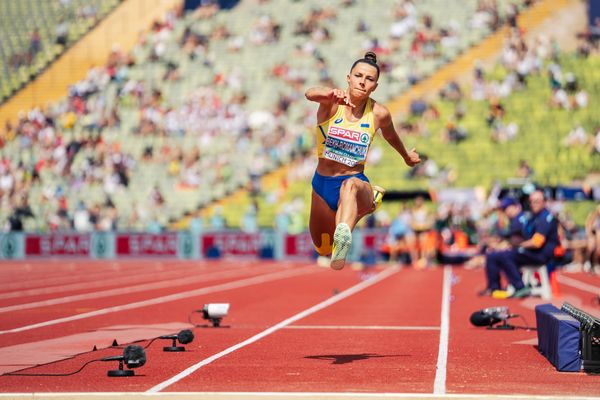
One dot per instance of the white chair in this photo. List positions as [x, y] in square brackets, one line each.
[541, 288]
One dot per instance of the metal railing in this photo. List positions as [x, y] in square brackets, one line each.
[589, 338]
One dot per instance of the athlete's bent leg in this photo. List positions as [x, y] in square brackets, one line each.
[356, 201]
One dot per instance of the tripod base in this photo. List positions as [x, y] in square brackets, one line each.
[504, 327]
[173, 348]
[120, 372]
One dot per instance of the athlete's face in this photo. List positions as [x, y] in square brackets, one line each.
[362, 80]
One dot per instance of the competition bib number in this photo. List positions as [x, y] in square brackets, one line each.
[346, 146]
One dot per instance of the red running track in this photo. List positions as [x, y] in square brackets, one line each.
[379, 335]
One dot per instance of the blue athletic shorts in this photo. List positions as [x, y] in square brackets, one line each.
[328, 187]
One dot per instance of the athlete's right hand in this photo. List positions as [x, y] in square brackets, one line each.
[340, 97]
[412, 158]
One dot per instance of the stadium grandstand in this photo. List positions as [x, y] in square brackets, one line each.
[34, 33]
[144, 136]
[160, 136]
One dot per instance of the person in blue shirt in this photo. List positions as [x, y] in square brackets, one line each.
[515, 232]
[541, 237]
[508, 231]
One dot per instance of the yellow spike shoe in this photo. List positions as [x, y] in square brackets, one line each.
[342, 241]
[378, 193]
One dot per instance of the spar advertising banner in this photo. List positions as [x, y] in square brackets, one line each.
[265, 244]
[57, 244]
[231, 243]
[146, 244]
[299, 245]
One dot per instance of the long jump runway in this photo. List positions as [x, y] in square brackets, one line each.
[293, 330]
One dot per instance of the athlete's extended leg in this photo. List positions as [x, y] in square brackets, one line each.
[321, 225]
[356, 201]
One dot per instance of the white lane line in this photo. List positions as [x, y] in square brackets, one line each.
[439, 386]
[82, 273]
[578, 284]
[283, 396]
[367, 327]
[178, 296]
[139, 277]
[45, 290]
[127, 290]
[332, 300]
[66, 275]
[93, 273]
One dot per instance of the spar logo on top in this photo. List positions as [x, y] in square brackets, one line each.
[349, 135]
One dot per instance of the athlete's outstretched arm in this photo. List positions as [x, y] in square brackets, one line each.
[329, 96]
[385, 123]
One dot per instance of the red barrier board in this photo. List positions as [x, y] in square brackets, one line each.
[146, 244]
[374, 239]
[298, 245]
[232, 243]
[58, 245]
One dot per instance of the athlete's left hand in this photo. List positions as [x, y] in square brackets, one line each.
[412, 158]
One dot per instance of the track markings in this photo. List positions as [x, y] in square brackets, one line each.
[127, 290]
[586, 287]
[65, 276]
[332, 300]
[178, 296]
[98, 281]
[439, 386]
[94, 273]
[279, 396]
[367, 327]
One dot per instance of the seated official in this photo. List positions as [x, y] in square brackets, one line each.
[541, 233]
[508, 233]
